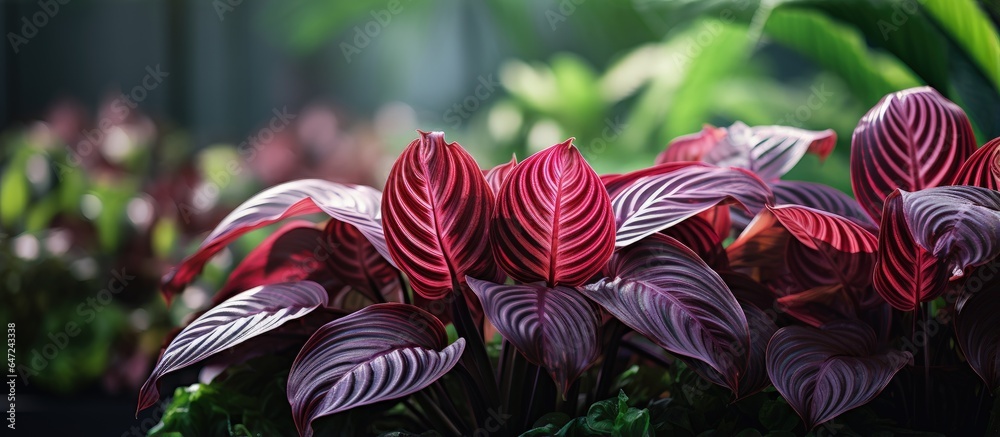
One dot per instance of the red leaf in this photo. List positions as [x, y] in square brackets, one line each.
[382, 352]
[496, 175]
[287, 255]
[905, 273]
[662, 290]
[555, 328]
[241, 318]
[700, 236]
[655, 203]
[912, 139]
[616, 183]
[437, 207]
[351, 258]
[553, 220]
[982, 169]
[823, 198]
[825, 372]
[692, 147]
[355, 205]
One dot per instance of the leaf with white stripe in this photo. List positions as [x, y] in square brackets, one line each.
[664, 291]
[655, 203]
[555, 328]
[238, 319]
[357, 205]
[379, 353]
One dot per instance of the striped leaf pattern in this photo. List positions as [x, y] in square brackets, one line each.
[437, 208]
[905, 273]
[616, 183]
[553, 220]
[290, 254]
[829, 249]
[353, 260]
[982, 169]
[692, 147]
[825, 372]
[381, 352]
[912, 139]
[823, 198]
[662, 290]
[769, 151]
[241, 318]
[355, 205]
[496, 175]
[959, 225]
[658, 202]
[555, 328]
[700, 236]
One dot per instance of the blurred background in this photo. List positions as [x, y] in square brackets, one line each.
[131, 127]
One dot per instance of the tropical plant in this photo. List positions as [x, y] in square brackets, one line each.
[594, 281]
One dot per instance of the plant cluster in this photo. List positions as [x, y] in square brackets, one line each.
[705, 264]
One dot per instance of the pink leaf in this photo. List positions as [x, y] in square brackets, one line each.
[553, 220]
[437, 207]
[982, 169]
[692, 147]
[769, 151]
[496, 175]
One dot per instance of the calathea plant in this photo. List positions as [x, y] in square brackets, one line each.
[583, 276]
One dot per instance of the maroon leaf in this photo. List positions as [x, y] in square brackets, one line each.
[555, 328]
[769, 151]
[241, 318]
[496, 175]
[352, 259]
[655, 203]
[700, 236]
[662, 290]
[355, 205]
[437, 207]
[382, 352]
[982, 169]
[977, 321]
[823, 198]
[825, 372]
[912, 139]
[553, 220]
[692, 147]
[905, 273]
[959, 225]
[287, 255]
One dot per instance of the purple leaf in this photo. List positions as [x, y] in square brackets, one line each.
[356, 205]
[959, 225]
[241, 318]
[977, 321]
[912, 140]
[662, 290]
[825, 372]
[905, 273]
[769, 151]
[382, 352]
[655, 203]
[555, 328]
